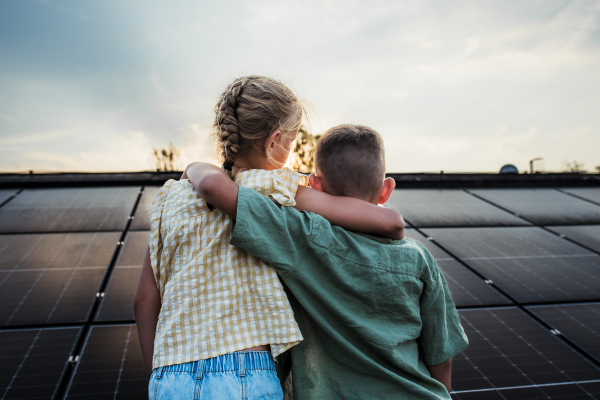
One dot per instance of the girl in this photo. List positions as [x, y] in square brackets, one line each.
[211, 317]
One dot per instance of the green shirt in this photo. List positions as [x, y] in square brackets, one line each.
[377, 310]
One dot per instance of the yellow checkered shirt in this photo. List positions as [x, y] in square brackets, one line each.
[216, 298]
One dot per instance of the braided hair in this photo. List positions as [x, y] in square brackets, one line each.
[248, 112]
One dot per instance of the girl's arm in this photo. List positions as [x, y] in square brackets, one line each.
[146, 308]
[215, 186]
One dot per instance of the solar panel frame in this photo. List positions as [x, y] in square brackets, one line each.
[528, 263]
[110, 365]
[591, 194]
[587, 235]
[509, 349]
[117, 304]
[448, 207]
[69, 210]
[52, 278]
[140, 220]
[580, 323]
[6, 194]
[34, 361]
[543, 206]
[466, 288]
[579, 391]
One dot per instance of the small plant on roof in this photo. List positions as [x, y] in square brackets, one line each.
[573, 166]
[302, 157]
[166, 159]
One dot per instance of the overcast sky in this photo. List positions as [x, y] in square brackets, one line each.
[450, 85]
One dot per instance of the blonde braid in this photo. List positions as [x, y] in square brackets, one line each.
[227, 124]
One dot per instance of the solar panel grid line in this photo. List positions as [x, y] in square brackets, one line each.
[524, 387]
[9, 198]
[522, 307]
[21, 365]
[63, 385]
[578, 197]
[500, 207]
[565, 364]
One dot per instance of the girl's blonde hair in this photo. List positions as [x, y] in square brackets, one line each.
[249, 111]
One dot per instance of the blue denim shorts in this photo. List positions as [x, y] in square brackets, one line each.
[240, 375]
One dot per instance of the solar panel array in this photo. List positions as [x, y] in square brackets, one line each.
[522, 265]
[525, 278]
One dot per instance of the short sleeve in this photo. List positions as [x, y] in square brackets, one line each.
[280, 185]
[442, 335]
[285, 185]
[270, 232]
[155, 243]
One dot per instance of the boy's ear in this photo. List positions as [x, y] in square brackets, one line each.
[315, 182]
[388, 187]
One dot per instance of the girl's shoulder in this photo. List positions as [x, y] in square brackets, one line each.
[279, 184]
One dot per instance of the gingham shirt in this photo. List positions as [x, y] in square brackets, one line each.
[216, 298]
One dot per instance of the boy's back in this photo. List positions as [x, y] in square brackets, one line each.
[377, 310]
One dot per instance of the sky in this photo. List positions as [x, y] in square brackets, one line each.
[459, 86]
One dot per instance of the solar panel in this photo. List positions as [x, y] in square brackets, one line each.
[140, 222]
[528, 263]
[110, 366]
[51, 278]
[587, 235]
[543, 206]
[508, 349]
[65, 210]
[33, 361]
[6, 193]
[466, 288]
[117, 304]
[580, 323]
[592, 194]
[581, 391]
[448, 207]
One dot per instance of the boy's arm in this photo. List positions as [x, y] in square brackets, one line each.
[146, 309]
[351, 213]
[215, 186]
[442, 373]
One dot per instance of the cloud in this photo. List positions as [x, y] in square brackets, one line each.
[463, 86]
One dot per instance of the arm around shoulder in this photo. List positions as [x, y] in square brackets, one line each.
[215, 186]
[442, 373]
[350, 213]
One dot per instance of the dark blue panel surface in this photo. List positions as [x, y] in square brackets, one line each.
[509, 349]
[140, 222]
[580, 323]
[587, 235]
[117, 304]
[68, 210]
[529, 264]
[467, 289]
[110, 366]
[32, 362]
[592, 194]
[51, 278]
[448, 207]
[543, 206]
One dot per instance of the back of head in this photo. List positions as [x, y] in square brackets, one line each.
[249, 111]
[351, 159]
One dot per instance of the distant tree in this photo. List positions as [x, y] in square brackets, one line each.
[302, 157]
[166, 159]
[598, 168]
[573, 166]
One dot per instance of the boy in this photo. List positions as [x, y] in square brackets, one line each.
[379, 322]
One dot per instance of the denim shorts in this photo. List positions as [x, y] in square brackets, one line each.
[240, 375]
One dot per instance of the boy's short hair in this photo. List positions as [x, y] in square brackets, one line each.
[352, 160]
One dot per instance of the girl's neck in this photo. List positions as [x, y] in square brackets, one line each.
[245, 162]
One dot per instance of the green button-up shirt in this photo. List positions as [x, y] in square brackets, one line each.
[377, 310]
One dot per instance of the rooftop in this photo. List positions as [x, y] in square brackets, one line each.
[521, 254]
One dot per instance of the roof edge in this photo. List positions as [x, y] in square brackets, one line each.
[403, 180]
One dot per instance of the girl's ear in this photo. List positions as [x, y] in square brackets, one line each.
[271, 143]
[388, 187]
